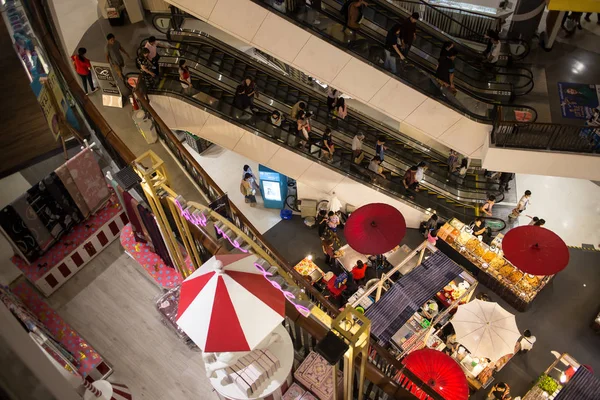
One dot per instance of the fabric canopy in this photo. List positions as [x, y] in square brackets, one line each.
[227, 305]
[375, 229]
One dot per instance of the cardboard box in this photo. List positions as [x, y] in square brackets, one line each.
[316, 375]
[295, 392]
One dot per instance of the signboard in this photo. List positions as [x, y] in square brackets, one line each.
[111, 94]
[49, 112]
[578, 99]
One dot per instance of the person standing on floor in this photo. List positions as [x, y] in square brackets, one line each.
[332, 96]
[527, 341]
[431, 224]
[588, 15]
[147, 69]
[521, 206]
[327, 246]
[486, 208]
[321, 221]
[113, 50]
[380, 148]
[247, 189]
[504, 181]
[83, 67]
[357, 152]
[409, 33]
[184, 76]
[359, 271]
[392, 48]
[152, 45]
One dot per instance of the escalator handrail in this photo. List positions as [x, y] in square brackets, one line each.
[427, 70]
[384, 5]
[437, 177]
[463, 110]
[417, 144]
[253, 129]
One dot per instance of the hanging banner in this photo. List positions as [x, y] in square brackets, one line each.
[577, 100]
[44, 99]
[111, 94]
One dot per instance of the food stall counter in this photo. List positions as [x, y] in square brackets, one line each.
[308, 268]
[489, 266]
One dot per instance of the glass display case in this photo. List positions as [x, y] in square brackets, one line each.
[489, 265]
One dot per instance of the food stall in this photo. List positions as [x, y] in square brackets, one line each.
[347, 257]
[306, 267]
[561, 374]
[489, 266]
[424, 297]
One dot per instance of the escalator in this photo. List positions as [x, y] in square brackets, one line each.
[230, 65]
[217, 95]
[466, 28]
[505, 83]
[473, 102]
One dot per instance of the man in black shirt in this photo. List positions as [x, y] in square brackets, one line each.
[408, 34]
[392, 48]
[445, 70]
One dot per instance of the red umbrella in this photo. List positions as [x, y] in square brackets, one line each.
[535, 250]
[440, 372]
[375, 229]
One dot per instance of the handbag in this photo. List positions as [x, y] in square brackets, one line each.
[358, 160]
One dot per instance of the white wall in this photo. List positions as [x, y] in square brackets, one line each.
[315, 181]
[297, 47]
[533, 162]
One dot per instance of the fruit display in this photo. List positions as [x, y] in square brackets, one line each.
[490, 260]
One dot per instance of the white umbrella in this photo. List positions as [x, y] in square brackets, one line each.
[486, 329]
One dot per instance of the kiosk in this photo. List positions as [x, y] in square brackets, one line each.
[273, 187]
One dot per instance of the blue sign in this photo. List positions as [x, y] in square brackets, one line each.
[273, 187]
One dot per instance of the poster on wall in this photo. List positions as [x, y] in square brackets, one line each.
[111, 94]
[577, 100]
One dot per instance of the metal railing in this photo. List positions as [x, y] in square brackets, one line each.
[546, 136]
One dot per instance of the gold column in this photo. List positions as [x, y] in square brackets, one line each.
[355, 329]
[154, 175]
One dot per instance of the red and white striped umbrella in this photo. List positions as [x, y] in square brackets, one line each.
[105, 390]
[228, 305]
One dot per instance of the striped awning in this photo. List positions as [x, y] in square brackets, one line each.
[582, 386]
[409, 293]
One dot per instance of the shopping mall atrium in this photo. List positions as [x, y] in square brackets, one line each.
[300, 199]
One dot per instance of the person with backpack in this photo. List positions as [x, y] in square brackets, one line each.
[83, 67]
